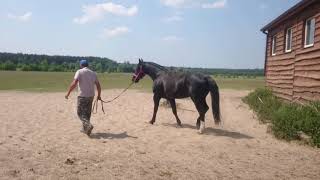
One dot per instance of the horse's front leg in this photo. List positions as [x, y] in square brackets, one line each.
[156, 100]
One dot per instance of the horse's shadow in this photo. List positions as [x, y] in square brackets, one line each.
[111, 136]
[215, 131]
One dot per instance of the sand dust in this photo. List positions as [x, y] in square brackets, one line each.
[40, 139]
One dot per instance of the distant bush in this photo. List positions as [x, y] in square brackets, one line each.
[288, 120]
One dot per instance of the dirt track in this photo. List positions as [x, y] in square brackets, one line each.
[40, 139]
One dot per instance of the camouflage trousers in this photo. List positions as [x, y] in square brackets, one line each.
[84, 106]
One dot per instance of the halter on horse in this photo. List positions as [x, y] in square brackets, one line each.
[139, 74]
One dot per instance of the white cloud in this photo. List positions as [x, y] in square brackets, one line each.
[215, 5]
[24, 18]
[98, 11]
[180, 3]
[194, 4]
[113, 32]
[171, 38]
[174, 18]
[174, 3]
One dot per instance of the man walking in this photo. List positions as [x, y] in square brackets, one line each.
[87, 79]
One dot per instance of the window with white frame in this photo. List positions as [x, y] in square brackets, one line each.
[274, 45]
[309, 32]
[288, 40]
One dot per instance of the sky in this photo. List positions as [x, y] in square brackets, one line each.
[184, 33]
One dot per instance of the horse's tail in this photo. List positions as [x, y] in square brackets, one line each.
[215, 99]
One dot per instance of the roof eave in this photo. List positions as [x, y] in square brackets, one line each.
[292, 11]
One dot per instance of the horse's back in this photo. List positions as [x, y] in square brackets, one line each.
[181, 85]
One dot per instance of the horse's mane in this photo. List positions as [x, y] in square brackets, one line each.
[158, 66]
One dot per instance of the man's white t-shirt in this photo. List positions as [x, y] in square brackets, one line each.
[87, 80]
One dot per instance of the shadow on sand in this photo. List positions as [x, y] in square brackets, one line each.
[215, 131]
[111, 136]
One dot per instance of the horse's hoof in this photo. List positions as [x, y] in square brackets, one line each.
[179, 126]
[202, 127]
[201, 130]
[151, 122]
[198, 126]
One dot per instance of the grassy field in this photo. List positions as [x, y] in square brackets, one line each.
[59, 81]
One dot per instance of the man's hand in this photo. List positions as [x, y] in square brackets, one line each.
[99, 90]
[72, 86]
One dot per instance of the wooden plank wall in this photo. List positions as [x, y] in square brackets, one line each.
[295, 75]
[280, 68]
[306, 86]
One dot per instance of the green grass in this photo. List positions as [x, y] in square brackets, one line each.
[59, 81]
[287, 120]
[240, 83]
[34, 81]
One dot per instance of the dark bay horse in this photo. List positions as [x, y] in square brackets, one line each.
[173, 85]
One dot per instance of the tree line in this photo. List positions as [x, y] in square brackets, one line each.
[33, 62]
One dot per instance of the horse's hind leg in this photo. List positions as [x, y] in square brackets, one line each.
[202, 108]
[198, 123]
[156, 100]
[174, 110]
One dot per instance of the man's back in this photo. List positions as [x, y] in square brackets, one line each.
[87, 80]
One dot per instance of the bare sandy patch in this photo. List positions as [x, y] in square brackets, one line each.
[40, 139]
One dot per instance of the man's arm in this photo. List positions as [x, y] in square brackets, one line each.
[98, 89]
[71, 87]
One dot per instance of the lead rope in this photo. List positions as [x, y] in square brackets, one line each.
[95, 104]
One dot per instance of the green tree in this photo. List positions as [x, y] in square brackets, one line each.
[44, 66]
[9, 66]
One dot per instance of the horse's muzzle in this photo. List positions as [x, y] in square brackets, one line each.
[135, 79]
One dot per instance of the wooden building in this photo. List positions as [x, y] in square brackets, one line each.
[292, 59]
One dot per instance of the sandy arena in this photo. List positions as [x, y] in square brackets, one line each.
[40, 139]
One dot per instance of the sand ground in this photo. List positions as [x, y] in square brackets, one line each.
[40, 139]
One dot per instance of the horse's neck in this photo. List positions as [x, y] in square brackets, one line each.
[153, 72]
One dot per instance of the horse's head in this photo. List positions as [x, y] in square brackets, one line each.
[139, 72]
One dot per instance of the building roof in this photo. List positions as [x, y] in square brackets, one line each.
[292, 11]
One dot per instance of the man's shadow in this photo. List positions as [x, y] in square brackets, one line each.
[111, 136]
[215, 132]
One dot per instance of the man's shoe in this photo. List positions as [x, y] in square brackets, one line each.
[89, 130]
